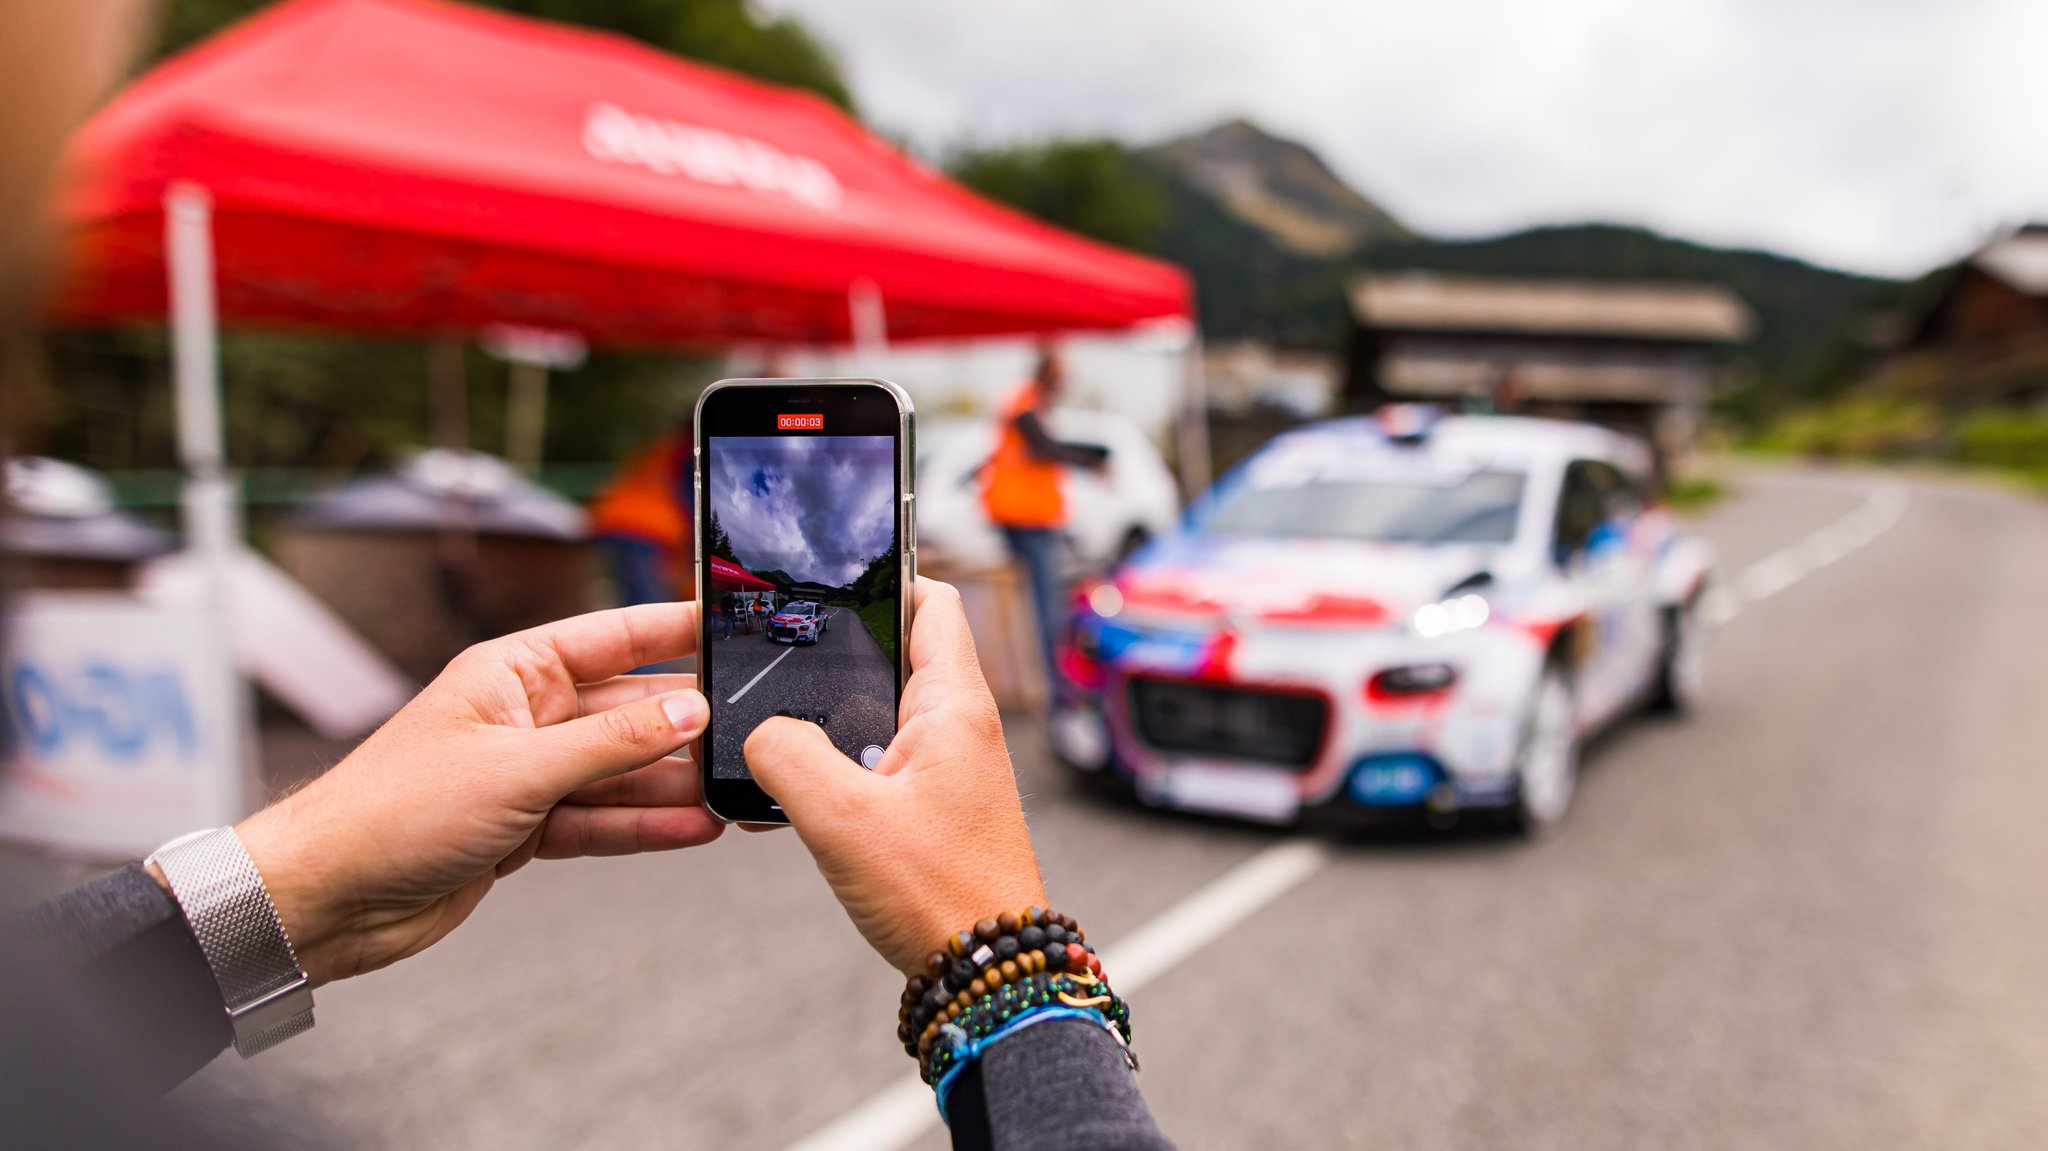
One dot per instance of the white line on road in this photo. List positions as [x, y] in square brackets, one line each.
[1788, 565]
[899, 1114]
[757, 675]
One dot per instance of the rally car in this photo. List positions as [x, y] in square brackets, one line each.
[799, 621]
[1391, 616]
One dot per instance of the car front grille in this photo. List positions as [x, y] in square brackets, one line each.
[1278, 727]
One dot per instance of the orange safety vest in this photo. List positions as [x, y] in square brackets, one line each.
[1019, 490]
[645, 500]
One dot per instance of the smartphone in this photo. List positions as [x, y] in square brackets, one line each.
[806, 548]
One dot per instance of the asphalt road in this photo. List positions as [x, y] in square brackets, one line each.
[844, 681]
[1814, 916]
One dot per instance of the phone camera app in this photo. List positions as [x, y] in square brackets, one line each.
[802, 587]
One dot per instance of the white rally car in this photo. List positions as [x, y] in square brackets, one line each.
[1391, 616]
[799, 621]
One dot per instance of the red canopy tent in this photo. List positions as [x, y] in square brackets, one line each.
[414, 165]
[418, 166]
[726, 575]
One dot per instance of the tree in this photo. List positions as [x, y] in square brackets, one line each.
[729, 33]
[878, 579]
[1094, 187]
[721, 544]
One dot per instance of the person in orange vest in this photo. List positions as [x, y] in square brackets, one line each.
[642, 520]
[1021, 493]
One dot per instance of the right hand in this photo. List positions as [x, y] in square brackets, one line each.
[933, 840]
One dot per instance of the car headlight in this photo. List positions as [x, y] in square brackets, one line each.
[1459, 613]
[1105, 600]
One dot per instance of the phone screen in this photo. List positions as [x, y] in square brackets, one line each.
[800, 541]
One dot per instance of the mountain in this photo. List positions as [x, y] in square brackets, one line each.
[1279, 187]
[1272, 237]
[1804, 311]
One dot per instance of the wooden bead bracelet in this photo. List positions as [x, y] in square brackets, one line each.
[1007, 966]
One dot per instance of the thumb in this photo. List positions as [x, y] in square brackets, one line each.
[616, 740]
[796, 764]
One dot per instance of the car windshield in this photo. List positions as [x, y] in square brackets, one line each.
[1478, 507]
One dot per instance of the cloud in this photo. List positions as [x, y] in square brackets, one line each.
[817, 507]
[1882, 135]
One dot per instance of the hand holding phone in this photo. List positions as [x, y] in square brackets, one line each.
[934, 838]
[805, 531]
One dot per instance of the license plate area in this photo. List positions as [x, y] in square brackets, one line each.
[1256, 793]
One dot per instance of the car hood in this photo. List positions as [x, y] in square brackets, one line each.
[1292, 582]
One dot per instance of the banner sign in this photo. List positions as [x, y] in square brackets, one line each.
[122, 724]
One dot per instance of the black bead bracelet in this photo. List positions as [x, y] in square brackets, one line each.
[1006, 967]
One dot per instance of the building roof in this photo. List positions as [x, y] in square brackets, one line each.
[2020, 260]
[1433, 302]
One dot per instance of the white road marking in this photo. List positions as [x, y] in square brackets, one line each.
[1828, 545]
[757, 676]
[1721, 605]
[897, 1115]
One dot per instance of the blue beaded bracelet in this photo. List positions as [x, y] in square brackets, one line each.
[968, 1053]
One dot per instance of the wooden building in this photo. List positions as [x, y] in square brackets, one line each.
[1984, 330]
[1640, 356]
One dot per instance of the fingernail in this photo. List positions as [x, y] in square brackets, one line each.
[685, 711]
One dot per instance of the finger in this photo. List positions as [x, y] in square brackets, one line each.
[796, 764]
[945, 688]
[572, 830]
[603, 644]
[623, 689]
[579, 752]
[940, 642]
[668, 782]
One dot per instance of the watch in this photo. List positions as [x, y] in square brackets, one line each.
[221, 894]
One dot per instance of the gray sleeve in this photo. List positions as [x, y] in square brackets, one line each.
[1060, 1084]
[106, 1001]
[121, 949]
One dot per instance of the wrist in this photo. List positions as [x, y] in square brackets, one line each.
[942, 919]
[300, 889]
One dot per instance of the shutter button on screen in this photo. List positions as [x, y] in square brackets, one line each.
[870, 756]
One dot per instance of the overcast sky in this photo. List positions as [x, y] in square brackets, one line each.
[817, 507]
[1879, 135]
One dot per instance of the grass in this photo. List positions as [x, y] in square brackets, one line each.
[2002, 445]
[1695, 493]
[880, 616]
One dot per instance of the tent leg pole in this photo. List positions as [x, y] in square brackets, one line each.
[448, 388]
[867, 318]
[1192, 443]
[526, 415]
[210, 498]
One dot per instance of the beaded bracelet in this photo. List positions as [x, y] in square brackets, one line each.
[945, 1081]
[1007, 967]
[997, 951]
[991, 1015]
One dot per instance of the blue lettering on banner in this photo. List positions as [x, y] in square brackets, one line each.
[118, 713]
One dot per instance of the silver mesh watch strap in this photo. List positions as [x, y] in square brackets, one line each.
[222, 895]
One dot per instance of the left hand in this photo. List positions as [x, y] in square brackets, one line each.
[534, 744]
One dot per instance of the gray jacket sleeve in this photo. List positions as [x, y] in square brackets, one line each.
[1063, 1085]
[118, 949]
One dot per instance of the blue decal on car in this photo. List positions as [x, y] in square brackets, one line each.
[1395, 779]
